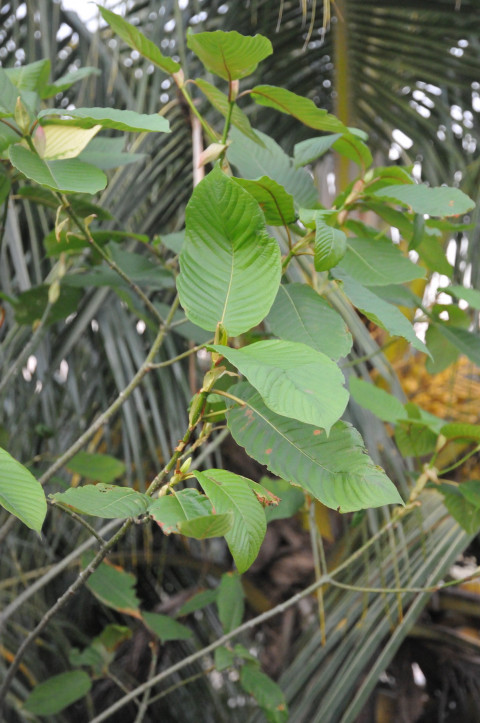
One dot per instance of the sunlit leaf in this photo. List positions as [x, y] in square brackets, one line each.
[293, 379]
[64, 175]
[440, 201]
[230, 267]
[121, 120]
[275, 202]
[228, 54]
[303, 109]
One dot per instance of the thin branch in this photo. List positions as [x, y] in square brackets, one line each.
[146, 696]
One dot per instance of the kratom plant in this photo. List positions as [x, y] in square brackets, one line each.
[263, 273]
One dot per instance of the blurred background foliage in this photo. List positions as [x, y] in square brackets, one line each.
[407, 74]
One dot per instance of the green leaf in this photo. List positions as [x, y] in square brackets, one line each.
[270, 160]
[443, 352]
[137, 266]
[266, 692]
[441, 201]
[414, 439]
[31, 76]
[202, 528]
[293, 379]
[197, 602]
[230, 601]
[330, 245]
[67, 175]
[136, 40]
[336, 470]
[173, 241]
[67, 80]
[229, 492]
[30, 305]
[471, 296]
[346, 144]
[377, 262]
[7, 136]
[224, 658]
[230, 267]
[166, 628]
[229, 55]
[103, 500]
[466, 514]
[8, 95]
[382, 313]
[292, 499]
[431, 252]
[300, 314]
[101, 652]
[113, 587]
[220, 102]
[455, 430]
[465, 341]
[471, 491]
[382, 404]
[58, 692]
[99, 467]
[20, 493]
[275, 202]
[120, 120]
[177, 507]
[303, 109]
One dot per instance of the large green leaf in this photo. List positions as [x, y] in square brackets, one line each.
[349, 145]
[229, 55]
[98, 467]
[220, 101]
[293, 379]
[20, 493]
[335, 469]
[230, 601]
[266, 692]
[113, 587]
[66, 175]
[166, 628]
[300, 314]
[440, 201]
[270, 160]
[120, 120]
[229, 492]
[58, 692]
[275, 202]
[377, 262]
[137, 40]
[384, 405]
[330, 245]
[303, 109]
[382, 313]
[230, 267]
[104, 500]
